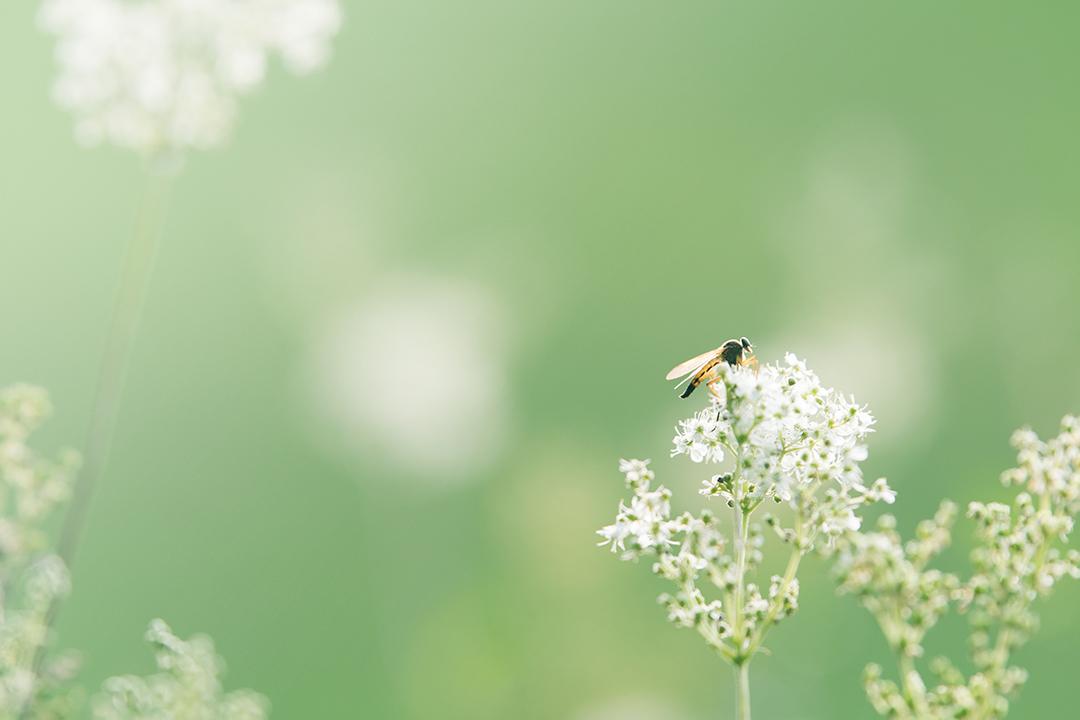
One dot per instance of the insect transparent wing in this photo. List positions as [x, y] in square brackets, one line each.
[691, 365]
[690, 376]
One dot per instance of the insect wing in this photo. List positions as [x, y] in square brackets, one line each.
[692, 365]
[691, 375]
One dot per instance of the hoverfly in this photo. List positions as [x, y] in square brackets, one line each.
[703, 367]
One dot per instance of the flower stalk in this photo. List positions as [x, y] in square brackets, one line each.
[131, 296]
[742, 691]
[127, 311]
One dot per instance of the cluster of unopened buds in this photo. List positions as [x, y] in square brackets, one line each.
[1020, 554]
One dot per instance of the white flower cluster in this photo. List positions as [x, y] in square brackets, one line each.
[788, 439]
[187, 688]
[159, 76]
[31, 578]
[646, 525]
[791, 439]
[646, 522]
[1020, 555]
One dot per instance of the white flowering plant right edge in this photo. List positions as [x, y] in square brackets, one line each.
[780, 438]
[1020, 554]
[770, 438]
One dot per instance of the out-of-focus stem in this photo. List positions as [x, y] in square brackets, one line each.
[740, 532]
[123, 327]
[913, 685]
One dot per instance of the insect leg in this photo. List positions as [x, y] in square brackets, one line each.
[712, 388]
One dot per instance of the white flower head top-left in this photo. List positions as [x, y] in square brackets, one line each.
[777, 437]
[164, 76]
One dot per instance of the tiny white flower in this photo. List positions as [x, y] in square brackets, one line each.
[844, 521]
[636, 471]
[883, 492]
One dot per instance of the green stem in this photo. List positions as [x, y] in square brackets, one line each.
[742, 690]
[123, 326]
[741, 661]
[915, 691]
[742, 533]
[127, 310]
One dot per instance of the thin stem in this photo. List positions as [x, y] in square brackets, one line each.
[1045, 543]
[123, 326]
[741, 532]
[1000, 659]
[913, 686]
[907, 707]
[741, 537]
[742, 691]
[892, 625]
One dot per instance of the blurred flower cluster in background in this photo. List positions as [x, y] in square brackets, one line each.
[163, 75]
[409, 309]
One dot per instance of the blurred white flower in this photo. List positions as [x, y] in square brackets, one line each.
[849, 211]
[853, 197]
[187, 686]
[842, 521]
[32, 487]
[418, 371]
[164, 75]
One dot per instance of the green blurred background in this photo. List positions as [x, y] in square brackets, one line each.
[541, 207]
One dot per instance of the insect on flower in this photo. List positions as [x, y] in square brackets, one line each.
[703, 367]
